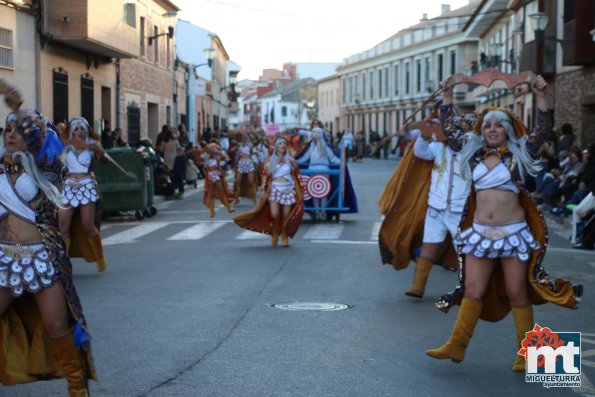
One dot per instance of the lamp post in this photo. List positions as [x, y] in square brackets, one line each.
[538, 21]
[209, 54]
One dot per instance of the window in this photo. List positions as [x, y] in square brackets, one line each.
[356, 92]
[142, 36]
[372, 85]
[155, 45]
[440, 67]
[168, 51]
[418, 75]
[386, 90]
[60, 88]
[283, 111]
[453, 62]
[130, 14]
[364, 85]
[380, 83]
[6, 59]
[407, 78]
[87, 98]
[344, 90]
[427, 74]
[133, 119]
[396, 79]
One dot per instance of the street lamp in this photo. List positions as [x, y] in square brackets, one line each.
[209, 54]
[233, 79]
[538, 22]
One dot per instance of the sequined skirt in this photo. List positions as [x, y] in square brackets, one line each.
[283, 194]
[245, 166]
[215, 176]
[495, 241]
[25, 267]
[77, 192]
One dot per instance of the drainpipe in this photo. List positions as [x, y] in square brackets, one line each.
[117, 93]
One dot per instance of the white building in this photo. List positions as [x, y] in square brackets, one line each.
[289, 105]
[329, 105]
[19, 54]
[381, 86]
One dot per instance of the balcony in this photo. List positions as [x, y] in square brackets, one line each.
[101, 27]
[529, 58]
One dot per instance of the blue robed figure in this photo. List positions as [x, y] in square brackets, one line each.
[308, 155]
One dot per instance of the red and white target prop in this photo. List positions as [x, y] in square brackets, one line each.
[319, 186]
[305, 179]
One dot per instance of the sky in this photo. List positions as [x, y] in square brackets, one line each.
[264, 34]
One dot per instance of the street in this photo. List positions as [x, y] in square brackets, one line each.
[185, 308]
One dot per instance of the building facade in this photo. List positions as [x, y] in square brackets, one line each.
[382, 86]
[329, 105]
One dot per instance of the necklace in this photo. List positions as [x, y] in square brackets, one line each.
[10, 166]
[499, 151]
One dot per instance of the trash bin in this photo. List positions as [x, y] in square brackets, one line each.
[122, 192]
[149, 157]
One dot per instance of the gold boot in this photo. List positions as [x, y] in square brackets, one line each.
[226, 203]
[71, 360]
[467, 318]
[284, 238]
[275, 238]
[97, 249]
[523, 322]
[67, 243]
[423, 267]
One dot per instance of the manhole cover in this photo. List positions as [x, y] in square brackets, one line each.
[315, 306]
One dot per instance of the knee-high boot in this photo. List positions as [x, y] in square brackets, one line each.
[423, 267]
[67, 243]
[236, 192]
[225, 202]
[97, 249]
[276, 224]
[523, 322]
[284, 237]
[71, 360]
[467, 318]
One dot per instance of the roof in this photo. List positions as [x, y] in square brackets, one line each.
[485, 16]
[290, 92]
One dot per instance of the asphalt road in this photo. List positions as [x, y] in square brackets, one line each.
[185, 309]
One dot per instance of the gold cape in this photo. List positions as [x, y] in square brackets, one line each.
[404, 203]
[260, 219]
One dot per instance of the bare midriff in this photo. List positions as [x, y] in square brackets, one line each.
[16, 230]
[280, 180]
[496, 206]
[79, 175]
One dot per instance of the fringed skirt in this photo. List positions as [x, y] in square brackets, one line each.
[245, 166]
[496, 241]
[77, 192]
[283, 193]
[215, 176]
[25, 267]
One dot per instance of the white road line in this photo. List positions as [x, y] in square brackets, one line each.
[250, 235]
[375, 231]
[324, 232]
[570, 251]
[187, 193]
[197, 231]
[344, 242]
[130, 235]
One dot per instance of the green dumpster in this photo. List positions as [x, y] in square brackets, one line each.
[122, 192]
